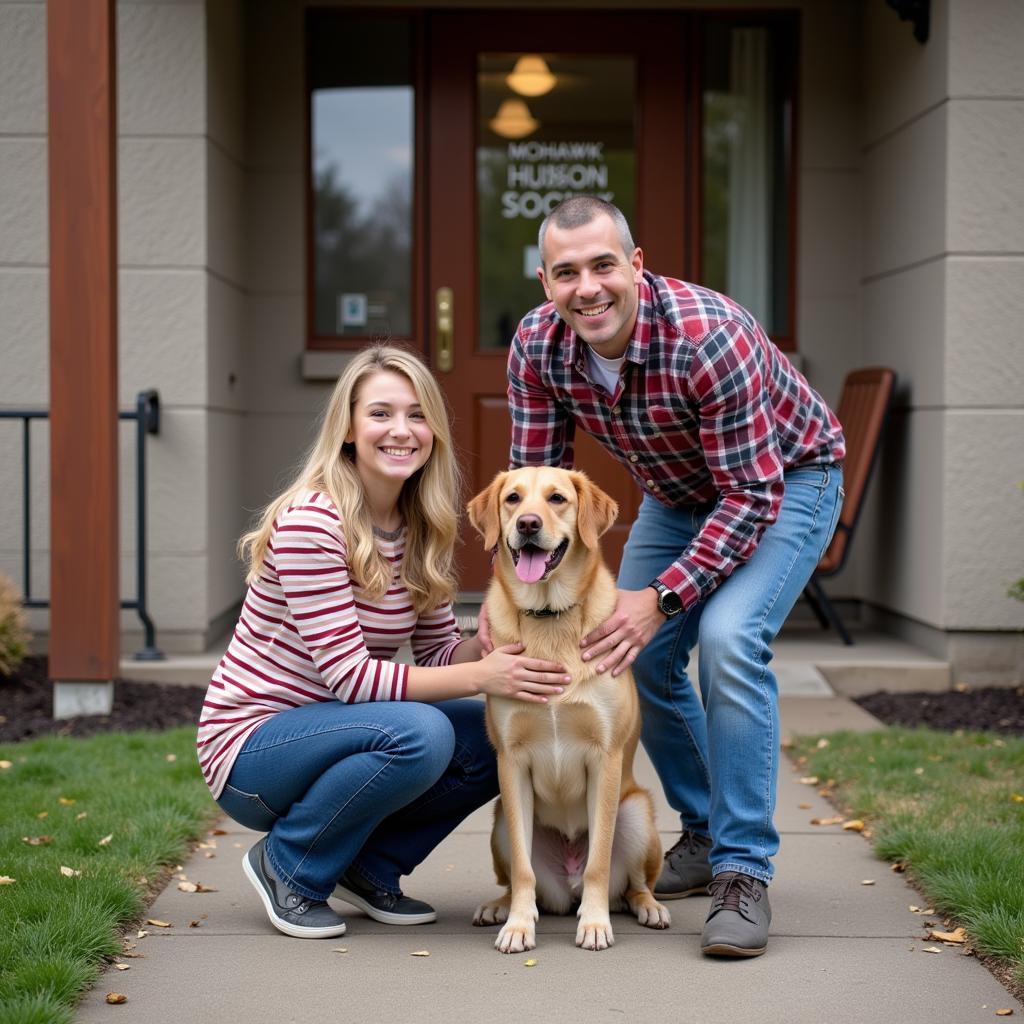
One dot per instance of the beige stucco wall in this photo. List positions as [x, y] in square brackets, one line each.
[181, 292]
[943, 294]
[910, 248]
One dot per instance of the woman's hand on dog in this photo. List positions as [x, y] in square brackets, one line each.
[620, 638]
[506, 672]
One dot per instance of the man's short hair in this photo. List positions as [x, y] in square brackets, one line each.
[579, 210]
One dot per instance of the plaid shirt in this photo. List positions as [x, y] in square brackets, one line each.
[707, 411]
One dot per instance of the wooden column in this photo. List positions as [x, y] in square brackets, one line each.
[84, 592]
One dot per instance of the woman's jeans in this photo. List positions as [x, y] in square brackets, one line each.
[376, 786]
[717, 754]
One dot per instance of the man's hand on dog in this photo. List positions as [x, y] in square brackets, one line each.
[510, 674]
[619, 639]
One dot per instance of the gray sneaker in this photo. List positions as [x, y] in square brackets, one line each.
[686, 871]
[737, 923]
[381, 905]
[289, 912]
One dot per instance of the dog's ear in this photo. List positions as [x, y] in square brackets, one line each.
[483, 512]
[596, 511]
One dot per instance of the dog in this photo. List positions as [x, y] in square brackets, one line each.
[571, 827]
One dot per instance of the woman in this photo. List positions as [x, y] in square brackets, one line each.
[356, 766]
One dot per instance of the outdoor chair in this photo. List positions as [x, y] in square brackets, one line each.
[863, 409]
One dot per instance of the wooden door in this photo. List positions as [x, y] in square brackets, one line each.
[618, 127]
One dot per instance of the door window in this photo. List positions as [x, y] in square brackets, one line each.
[549, 126]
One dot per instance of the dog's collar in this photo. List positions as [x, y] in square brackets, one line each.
[544, 613]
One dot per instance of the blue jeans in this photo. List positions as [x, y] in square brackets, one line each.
[375, 786]
[717, 755]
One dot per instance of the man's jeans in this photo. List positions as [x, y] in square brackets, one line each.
[718, 760]
[375, 785]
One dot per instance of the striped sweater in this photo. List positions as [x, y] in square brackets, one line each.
[307, 633]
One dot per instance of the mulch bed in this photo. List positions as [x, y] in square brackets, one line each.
[26, 707]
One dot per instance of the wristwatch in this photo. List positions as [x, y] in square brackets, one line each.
[669, 603]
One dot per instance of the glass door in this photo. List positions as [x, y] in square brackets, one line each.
[525, 110]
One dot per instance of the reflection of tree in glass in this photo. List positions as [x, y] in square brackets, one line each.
[722, 122]
[368, 255]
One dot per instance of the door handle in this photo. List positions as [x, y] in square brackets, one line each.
[444, 310]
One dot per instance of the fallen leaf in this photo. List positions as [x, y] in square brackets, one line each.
[122, 967]
[7, 880]
[105, 841]
[187, 887]
[836, 820]
[867, 881]
[171, 758]
[69, 872]
[204, 888]
[421, 952]
[853, 825]
[804, 807]
[207, 846]
[1017, 798]
[6, 764]
[217, 832]
[116, 997]
[43, 814]
[822, 743]
[37, 840]
[1005, 1012]
[529, 963]
[899, 867]
[825, 792]
[182, 877]
[66, 801]
[195, 924]
[958, 935]
[209, 856]
[157, 923]
[931, 949]
[919, 771]
[344, 949]
[81, 815]
[134, 956]
[961, 688]
[810, 780]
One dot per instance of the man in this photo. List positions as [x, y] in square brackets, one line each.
[739, 459]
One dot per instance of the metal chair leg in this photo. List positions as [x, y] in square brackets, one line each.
[828, 609]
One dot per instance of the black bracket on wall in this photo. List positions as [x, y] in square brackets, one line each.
[916, 12]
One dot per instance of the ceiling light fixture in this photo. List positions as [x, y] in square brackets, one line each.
[531, 76]
[513, 120]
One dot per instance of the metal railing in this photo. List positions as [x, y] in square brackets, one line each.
[146, 415]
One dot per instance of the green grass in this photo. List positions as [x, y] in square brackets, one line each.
[56, 932]
[950, 807]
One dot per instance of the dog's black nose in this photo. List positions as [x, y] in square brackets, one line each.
[528, 525]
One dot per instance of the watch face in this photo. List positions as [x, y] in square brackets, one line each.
[669, 602]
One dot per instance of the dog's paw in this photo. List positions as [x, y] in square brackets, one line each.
[517, 936]
[594, 933]
[651, 914]
[491, 912]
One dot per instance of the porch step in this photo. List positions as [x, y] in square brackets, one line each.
[808, 663]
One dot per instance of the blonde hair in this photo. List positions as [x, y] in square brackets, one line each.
[427, 502]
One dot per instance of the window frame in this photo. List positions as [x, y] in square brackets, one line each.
[353, 342]
[787, 23]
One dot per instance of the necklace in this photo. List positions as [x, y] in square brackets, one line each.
[387, 534]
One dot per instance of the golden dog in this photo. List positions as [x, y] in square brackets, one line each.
[572, 825]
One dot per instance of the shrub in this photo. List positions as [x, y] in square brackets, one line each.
[14, 635]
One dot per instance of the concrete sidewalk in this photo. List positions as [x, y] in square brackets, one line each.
[840, 951]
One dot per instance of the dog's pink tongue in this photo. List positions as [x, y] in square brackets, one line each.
[530, 566]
